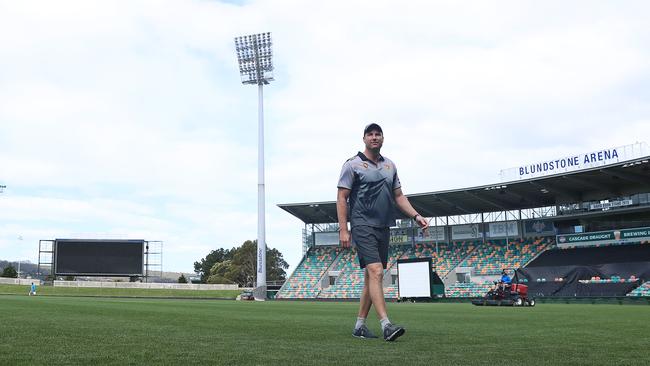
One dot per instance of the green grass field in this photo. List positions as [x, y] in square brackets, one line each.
[49, 330]
[119, 292]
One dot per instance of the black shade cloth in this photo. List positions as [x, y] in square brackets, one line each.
[577, 264]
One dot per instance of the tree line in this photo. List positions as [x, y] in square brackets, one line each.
[239, 265]
[10, 272]
[26, 268]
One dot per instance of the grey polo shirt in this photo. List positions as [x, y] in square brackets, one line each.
[372, 186]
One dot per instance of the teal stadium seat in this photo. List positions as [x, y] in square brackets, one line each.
[446, 258]
[493, 256]
[349, 283]
[304, 283]
[643, 290]
[468, 289]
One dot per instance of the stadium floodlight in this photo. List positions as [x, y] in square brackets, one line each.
[255, 58]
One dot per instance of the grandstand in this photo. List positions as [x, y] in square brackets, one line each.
[304, 283]
[495, 255]
[467, 289]
[349, 281]
[445, 256]
[548, 227]
[643, 290]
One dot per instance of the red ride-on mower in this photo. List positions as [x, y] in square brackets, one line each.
[515, 294]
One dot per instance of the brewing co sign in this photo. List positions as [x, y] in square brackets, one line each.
[604, 237]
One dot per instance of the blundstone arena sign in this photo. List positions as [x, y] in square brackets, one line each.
[576, 162]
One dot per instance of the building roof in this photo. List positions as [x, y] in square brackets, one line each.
[616, 180]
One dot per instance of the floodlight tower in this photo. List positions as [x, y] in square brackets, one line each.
[255, 58]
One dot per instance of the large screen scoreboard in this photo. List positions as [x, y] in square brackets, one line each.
[91, 257]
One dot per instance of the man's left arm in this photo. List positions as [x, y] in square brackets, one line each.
[404, 205]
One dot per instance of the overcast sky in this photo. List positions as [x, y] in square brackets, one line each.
[128, 119]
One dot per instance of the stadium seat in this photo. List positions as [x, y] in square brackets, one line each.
[447, 256]
[468, 289]
[495, 255]
[643, 290]
[305, 281]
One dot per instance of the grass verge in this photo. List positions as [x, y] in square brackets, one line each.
[119, 292]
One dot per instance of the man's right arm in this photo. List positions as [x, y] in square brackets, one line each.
[342, 215]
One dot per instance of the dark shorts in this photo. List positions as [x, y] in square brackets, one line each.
[372, 244]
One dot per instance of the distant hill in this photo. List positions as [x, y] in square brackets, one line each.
[173, 276]
[26, 268]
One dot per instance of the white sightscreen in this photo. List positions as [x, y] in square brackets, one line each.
[414, 279]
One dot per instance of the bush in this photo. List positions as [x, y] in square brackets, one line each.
[182, 279]
[10, 272]
[219, 280]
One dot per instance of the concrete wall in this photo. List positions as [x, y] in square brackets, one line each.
[176, 286]
[19, 281]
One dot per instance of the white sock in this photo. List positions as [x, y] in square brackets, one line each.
[384, 322]
[360, 323]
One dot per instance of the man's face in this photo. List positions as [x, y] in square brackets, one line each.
[373, 140]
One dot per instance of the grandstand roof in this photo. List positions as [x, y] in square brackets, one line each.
[630, 177]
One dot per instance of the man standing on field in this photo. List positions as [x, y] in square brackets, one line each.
[369, 184]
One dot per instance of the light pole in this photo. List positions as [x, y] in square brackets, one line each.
[20, 237]
[255, 58]
[2, 188]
